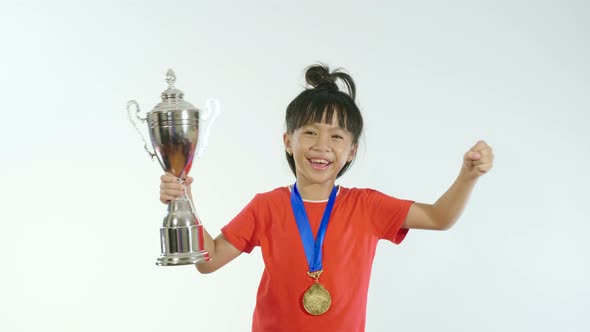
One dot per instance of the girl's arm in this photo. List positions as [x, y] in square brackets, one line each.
[446, 210]
[221, 252]
[219, 249]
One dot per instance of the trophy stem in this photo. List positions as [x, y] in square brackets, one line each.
[189, 200]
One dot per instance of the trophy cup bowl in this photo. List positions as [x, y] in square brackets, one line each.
[176, 128]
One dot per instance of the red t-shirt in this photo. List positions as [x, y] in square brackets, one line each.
[359, 219]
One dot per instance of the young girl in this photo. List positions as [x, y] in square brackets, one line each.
[318, 239]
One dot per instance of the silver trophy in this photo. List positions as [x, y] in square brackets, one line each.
[178, 131]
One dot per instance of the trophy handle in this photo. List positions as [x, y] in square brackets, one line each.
[132, 117]
[207, 116]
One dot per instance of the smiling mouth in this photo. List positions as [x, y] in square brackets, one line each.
[319, 163]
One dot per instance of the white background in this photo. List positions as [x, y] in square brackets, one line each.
[80, 212]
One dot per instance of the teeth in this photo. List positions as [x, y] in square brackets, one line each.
[319, 161]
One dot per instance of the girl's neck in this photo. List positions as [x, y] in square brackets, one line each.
[315, 191]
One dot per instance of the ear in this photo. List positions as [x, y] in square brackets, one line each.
[287, 142]
[353, 150]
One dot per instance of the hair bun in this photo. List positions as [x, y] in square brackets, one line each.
[319, 76]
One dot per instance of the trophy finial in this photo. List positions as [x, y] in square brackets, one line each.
[170, 77]
[172, 94]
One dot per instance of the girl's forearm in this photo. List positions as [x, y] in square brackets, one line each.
[448, 208]
[210, 248]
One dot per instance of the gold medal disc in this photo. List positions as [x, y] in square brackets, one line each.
[317, 300]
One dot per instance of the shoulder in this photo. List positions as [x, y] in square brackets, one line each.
[272, 196]
[261, 206]
[276, 193]
[358, 193]
[371, 197]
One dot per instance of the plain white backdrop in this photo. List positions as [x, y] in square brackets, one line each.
[80, 212]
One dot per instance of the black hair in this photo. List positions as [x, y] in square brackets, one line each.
[321, 101]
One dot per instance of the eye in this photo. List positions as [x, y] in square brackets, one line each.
[337, 137]
[309, 132]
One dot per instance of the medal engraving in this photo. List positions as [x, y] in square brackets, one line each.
[317, 300]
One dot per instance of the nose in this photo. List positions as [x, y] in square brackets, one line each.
[322, 143]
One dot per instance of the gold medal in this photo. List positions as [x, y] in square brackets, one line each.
[317, 299]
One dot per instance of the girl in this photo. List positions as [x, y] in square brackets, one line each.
[318, 239]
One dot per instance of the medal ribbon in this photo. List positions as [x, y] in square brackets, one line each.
[313, 248]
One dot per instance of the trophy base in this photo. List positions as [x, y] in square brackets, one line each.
[182, 245]
[183, 259]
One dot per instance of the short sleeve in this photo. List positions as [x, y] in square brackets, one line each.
[241, 230]
[388, 215]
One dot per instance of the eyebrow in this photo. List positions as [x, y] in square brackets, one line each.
[315, 125]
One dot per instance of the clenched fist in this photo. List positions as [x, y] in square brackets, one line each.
[478, 160]
[171, 188]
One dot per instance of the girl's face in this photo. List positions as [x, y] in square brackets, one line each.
[320, 150]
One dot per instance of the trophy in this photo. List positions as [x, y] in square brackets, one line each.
[178, 131]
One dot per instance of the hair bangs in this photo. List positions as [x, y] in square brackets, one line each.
[321, 108]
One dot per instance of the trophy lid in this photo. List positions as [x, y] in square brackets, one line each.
[173, 98]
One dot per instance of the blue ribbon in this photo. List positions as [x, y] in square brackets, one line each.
[313, 248]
